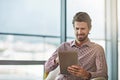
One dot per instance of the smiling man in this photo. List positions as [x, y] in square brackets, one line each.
[91, 56]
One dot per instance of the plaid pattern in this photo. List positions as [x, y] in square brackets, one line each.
[90, 56]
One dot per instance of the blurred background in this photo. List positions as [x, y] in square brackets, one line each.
[31, 30]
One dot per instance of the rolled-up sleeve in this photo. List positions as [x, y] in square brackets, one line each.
[101, 65]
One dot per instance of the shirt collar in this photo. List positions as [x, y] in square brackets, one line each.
[87, 43]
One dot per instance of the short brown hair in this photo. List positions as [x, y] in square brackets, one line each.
[82, 17]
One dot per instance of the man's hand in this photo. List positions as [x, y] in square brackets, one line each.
[76, 70]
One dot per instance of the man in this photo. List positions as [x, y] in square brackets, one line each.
[91, 56]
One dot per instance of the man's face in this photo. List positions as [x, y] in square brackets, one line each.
[81, 31]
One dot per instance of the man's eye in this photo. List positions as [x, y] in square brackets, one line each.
[82, 28]
[77, 28]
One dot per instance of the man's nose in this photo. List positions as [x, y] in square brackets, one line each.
[79, 31]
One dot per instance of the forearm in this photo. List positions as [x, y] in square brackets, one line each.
[50, 64]
[99, 74]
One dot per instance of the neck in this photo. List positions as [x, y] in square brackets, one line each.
[79, 43]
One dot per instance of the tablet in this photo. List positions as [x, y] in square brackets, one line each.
[67, 58]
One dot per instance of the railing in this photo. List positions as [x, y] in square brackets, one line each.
[34, 35]
[20, 62]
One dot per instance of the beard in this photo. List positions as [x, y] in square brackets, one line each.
[81, 37]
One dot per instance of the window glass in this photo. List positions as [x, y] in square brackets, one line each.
[26, 47]
[21, 72]
[30, 16]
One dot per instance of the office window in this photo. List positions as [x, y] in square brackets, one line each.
[21, 72]
[38, 22]
[30, 17]
[26, 47]
[29, 31]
